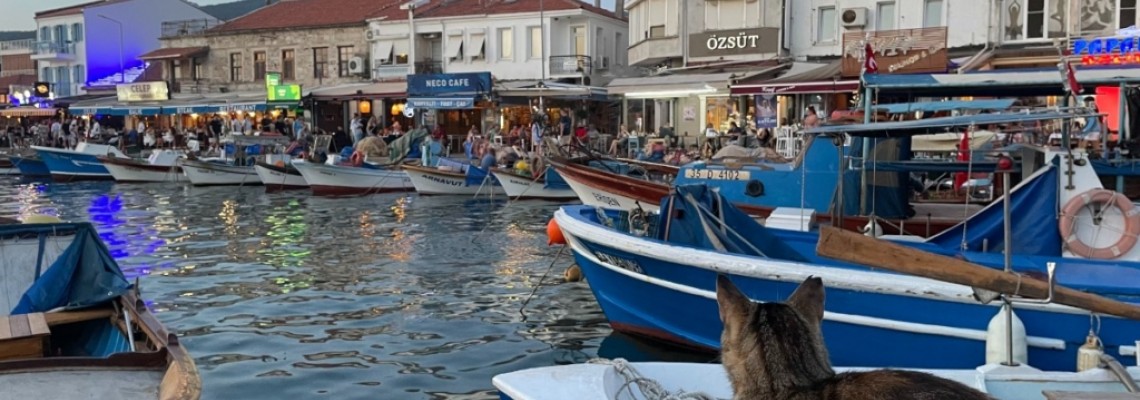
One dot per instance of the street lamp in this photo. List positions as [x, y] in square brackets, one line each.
[122, 71]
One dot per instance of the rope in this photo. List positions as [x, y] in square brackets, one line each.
[649, 388]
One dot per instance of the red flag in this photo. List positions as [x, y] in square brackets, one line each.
[1071, 79]
[870, 66]
[963, 155]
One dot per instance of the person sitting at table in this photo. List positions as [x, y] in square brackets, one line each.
[619, 141]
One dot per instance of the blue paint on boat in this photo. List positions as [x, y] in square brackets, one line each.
[30, 166]
[72, 165]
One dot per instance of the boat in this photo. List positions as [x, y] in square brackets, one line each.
[236, 166]
[635, 263]
[547, 186]
[453, 177]
[7, 167]
[281, 175]
[611, 380]
[80, 164]
[160, 166]
[75, 327]
[30, 166]
[343, 180]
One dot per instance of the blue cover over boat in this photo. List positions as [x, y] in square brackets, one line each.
[84, 275]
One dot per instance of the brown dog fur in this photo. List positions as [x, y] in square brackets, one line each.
[775, 351]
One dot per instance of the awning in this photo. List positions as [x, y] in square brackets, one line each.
[476, 49]
[454, 46]
[173, 53]
[442, 103]
[367, 90]
[384, 50]
[190, 104]
[680, 85]
[1036, 82]
[27, 112]
[802, 78]
[935, 106]
[550, 89]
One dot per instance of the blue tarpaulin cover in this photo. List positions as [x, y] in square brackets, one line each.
[935, 106]
[691, 223]
[84, 275]
[554, 180]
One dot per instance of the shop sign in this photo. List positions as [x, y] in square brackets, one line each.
[442, 103]
[734, 42]
[284, 93]
[427, 85]
[143, 91]
[765, 111]
[1120, 49]
[897, 51]
[241, 107]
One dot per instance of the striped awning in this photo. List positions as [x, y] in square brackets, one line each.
[27, 112]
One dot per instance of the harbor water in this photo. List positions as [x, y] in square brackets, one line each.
[398, 296]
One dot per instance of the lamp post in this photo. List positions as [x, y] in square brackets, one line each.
[122, 71]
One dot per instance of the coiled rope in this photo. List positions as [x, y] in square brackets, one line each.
[650, 389]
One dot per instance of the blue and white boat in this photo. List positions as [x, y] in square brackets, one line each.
[30, 166]
[452, 177]
[80, 164]
[660, 283]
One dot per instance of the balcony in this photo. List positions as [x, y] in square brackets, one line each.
[188, 27]
[429, 67]
[571, 66]
[53, 51]
[15, 47]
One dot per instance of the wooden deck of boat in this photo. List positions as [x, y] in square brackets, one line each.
[1051, 395]
[124, 384]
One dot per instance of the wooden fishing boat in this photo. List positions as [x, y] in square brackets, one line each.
[74, 327]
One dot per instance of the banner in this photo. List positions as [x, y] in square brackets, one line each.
[765, 111]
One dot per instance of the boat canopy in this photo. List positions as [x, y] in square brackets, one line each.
[936, 106]
[942, 124]
[83, 275]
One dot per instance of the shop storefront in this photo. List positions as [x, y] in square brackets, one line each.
[334, 107]
[520, 100]
[456, 101]
[785, 100]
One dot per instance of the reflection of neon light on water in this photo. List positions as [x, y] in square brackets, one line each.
[105, 213]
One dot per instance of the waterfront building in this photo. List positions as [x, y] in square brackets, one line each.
[17, 74]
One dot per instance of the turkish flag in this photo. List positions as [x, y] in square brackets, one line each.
[870, 66]
[1071, 79]
[963, 155]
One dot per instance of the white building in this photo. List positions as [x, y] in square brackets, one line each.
[97, 43]
[817, 27]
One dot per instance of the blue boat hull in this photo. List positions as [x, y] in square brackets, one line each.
[70, 167]
[674, 302]
[30, 166]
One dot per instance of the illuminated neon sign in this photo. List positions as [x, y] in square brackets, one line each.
[1120, 49]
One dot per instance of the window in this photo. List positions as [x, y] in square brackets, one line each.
[657, 31]
[60, 35]
[320, 61]
[45, 34]
[535, 42]
[46, 75]
[659, 18]
[80, 74]
[177, 75]
[619, 51]
[196, 72]
[732, 14]
[63, 81]
[288, 65]
[885, 16]
[77, 32]
[599, 44]
[235, 67]
[578, 35]
[506, 44]
[1127, 14]
[1042, 19]
[259, 65]
[826, 27]
[932, 14]
[343, 56]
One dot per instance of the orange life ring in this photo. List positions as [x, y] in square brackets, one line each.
[357, 159]
[1105, 198]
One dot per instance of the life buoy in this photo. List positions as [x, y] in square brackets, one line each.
[754, 188]
[357, 159]
[1104, 198]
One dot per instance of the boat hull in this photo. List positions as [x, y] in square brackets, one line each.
[280, 178]
[430, 181]
[916, 322]
[338, 180]
[201, 173]
[520, 187]
[71, 166]
[30, 166]
[132, 171]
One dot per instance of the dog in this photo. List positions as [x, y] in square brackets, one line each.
[775, 351]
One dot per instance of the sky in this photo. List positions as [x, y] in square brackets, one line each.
[19, 15]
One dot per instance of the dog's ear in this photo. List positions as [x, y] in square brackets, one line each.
[730, 300]
[808, 299]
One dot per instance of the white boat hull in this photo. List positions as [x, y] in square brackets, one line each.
[519, 187]
[431, 183]
[209, 174]
[337, 180]
[9, 171]
[280, 180]
[141, 173]
[602, 381]
[592, 196]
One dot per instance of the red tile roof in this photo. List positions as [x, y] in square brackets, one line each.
[453, 8]
[171, 53]
[288, 14]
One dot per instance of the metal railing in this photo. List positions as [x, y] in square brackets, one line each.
[186, 27]
[571, 65]
[429, 67]
[22, 44]
[53, 48]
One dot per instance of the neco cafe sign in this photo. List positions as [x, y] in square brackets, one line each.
[733, 42]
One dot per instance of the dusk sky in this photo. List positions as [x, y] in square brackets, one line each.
[18, 14]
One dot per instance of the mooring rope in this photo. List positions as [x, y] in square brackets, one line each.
[650, 389]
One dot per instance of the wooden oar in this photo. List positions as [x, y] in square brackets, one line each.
[856, 248]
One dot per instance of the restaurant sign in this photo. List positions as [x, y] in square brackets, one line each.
[431, 85]
[733, 42]
[908, 51]
[1116, 50]
[143, 91]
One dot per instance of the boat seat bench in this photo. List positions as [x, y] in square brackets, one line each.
[23, 336]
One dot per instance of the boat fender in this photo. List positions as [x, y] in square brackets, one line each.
[754, 188]
[997, 339]
[357, 159]
[1102, 198]
[573, 273]
[554, 233]
[1088, 356]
